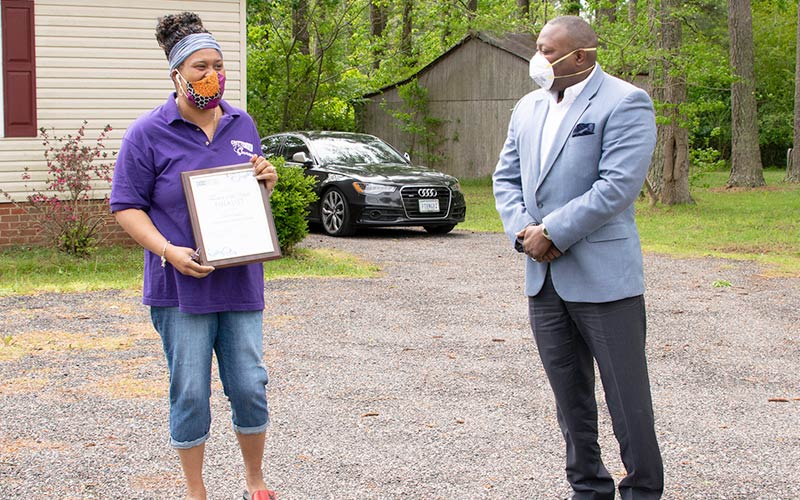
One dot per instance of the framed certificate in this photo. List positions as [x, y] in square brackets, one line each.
[231, 216]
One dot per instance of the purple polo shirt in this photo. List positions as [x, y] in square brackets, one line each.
[156, 148]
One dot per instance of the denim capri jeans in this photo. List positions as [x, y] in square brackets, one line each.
[189, 340]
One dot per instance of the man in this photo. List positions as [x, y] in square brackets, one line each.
[575, 159]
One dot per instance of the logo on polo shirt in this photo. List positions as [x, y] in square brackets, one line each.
[242, 148]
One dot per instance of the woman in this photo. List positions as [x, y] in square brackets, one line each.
[196, 309]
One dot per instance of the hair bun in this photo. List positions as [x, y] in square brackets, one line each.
[174, 27]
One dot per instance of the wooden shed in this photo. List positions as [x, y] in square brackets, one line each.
[65, 61]
[472, 89]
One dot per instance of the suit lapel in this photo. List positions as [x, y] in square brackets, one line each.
[582, 102]
[539, 115]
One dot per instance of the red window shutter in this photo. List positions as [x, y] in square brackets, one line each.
[19, 69]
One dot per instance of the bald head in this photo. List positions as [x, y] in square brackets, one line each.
[574, 29]
[565, 42]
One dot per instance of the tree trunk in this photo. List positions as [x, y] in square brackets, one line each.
[655, 173]
[405, 38]
[655, 176]
[793, 164]
[300, 25]
[524, 7]
[377, 23]
[608, 13]
[536, 11]
[675, 171]
[472, 10]
[377, 18]
[675, 187]
[571, 8]
[746, 168]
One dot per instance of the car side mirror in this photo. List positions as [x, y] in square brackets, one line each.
[407, 157]
[300, 157]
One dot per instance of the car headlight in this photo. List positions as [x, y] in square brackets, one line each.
[370, 188]
[336, 177]
[456, 186]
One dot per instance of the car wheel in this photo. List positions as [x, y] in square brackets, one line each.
[440, 229]
[335, 212]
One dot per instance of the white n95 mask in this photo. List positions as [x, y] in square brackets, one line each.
[541, 70]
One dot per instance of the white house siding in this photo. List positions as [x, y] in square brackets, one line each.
[100, 62]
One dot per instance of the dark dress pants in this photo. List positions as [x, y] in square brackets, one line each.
[569, 336]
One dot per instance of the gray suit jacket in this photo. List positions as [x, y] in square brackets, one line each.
[585, 192]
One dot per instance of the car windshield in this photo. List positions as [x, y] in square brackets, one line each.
[354, 151]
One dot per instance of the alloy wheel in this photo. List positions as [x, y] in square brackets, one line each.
[333, 211]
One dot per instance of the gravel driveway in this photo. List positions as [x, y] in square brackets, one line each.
[421, 383]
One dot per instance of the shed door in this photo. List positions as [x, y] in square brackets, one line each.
[19, 69]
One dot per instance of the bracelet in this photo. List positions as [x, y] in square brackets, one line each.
[164, 254]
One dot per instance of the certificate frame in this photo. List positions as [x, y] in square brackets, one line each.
[227, 208]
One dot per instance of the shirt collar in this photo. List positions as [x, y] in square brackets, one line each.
[572, 92]
[171, 114]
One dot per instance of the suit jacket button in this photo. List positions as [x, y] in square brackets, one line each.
[540, 204]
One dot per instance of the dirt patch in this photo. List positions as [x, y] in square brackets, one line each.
[37, 342]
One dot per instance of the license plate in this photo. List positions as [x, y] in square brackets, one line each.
[427, 206]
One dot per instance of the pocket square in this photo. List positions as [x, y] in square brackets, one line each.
[582, 129]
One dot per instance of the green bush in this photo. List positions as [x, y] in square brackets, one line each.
[293, 193]
[704, 160]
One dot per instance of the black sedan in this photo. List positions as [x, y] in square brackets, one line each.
[363, 181]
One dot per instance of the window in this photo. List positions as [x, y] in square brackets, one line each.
[19, 68]
[294, 145]
[271, 146]
[355, 151]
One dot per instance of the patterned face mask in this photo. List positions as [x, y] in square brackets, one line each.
[206, 92]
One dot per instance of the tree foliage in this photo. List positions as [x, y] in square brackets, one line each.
[774, 34]
[414, 119]
[310, 61]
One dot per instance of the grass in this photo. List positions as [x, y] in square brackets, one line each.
[34, 270]
[756, 224]
[760, 224]
[481, 214]
[319, 263]
[31, 270]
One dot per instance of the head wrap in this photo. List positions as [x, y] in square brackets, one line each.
[189, 45]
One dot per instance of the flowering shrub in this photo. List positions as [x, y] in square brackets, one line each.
[63, 212]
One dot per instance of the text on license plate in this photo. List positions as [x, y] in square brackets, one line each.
[427, 206]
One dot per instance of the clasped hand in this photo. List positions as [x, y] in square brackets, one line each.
[537, 246]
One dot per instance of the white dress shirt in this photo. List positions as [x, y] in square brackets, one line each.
[556, 113]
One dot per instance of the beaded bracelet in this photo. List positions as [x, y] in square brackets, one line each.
[164, 254]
